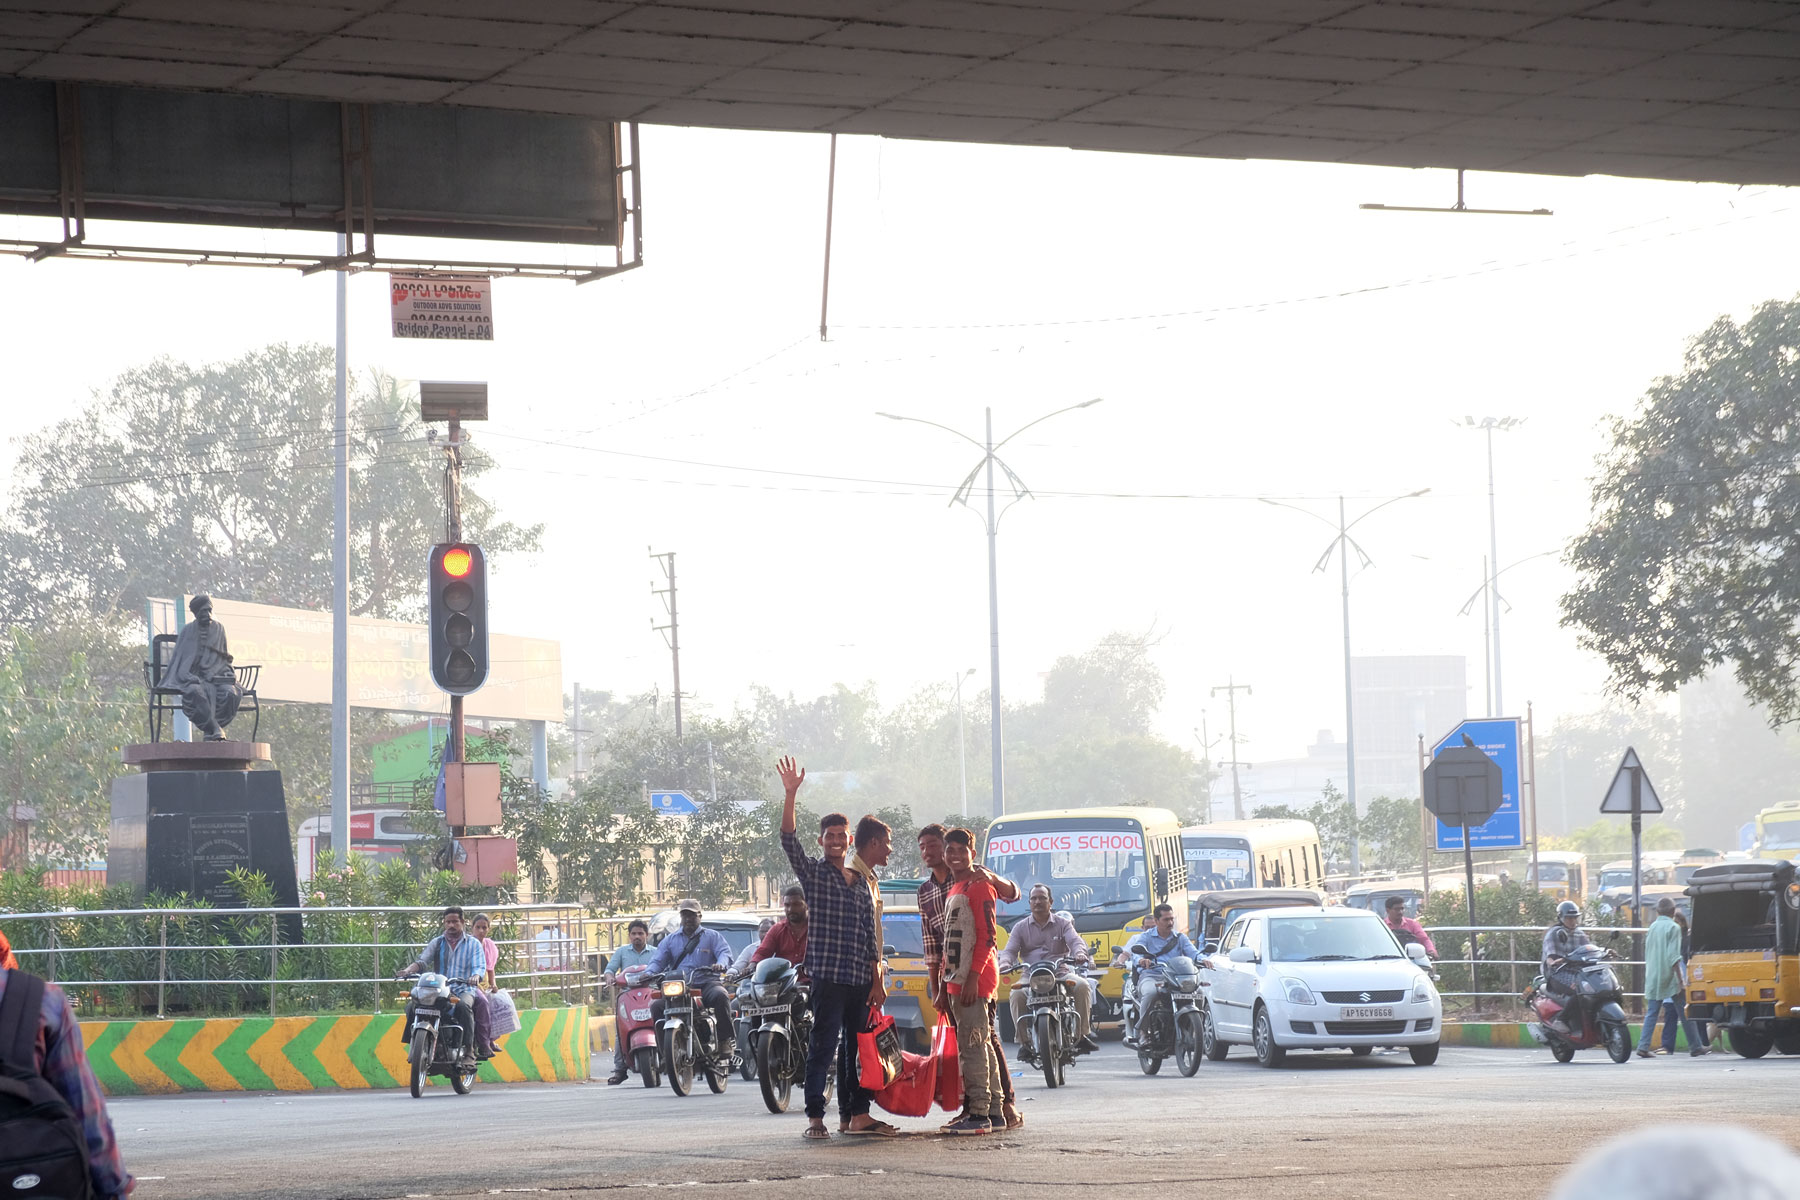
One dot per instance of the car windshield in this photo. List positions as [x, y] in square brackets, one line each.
[1781, 835]
[903, 934]
[1321, 939]
[1087, 871]
[1553, 873]
[1213, 868]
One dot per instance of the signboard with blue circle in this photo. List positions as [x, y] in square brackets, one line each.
[1505, 830]
[679, 804]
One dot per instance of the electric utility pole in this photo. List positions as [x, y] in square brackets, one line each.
[672, 631]
[1231, 689]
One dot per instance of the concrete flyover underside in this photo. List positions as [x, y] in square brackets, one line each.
[1670, 89]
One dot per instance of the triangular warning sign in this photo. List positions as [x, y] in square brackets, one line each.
[1618, 795]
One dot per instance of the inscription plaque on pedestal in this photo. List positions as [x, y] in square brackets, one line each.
[217, 846]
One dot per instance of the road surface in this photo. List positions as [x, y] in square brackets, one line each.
[1479, 1124]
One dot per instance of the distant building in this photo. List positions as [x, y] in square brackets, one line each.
[1398, 697]
[1295, 782]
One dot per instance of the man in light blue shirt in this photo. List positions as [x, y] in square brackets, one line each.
[697, 948]
[1165, 943]
[636, 953]
[463, 962]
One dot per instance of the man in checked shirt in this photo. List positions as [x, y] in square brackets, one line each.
[934, 894]
[62, 1060]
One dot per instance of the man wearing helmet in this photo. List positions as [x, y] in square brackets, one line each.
[1561, 940]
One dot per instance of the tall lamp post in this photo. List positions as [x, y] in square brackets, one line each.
[1488, 425]
[962, 738]
[1488, 579]
[989, 459]
[1343, 543]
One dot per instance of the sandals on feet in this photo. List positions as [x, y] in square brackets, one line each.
[816, 1133]
[876, 1129]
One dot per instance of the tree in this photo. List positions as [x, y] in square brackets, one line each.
[218, 478]
[1392, 834]
[1610, 837]
[1330, 814]
[1692, 558]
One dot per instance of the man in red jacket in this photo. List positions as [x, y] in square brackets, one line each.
[787, 939]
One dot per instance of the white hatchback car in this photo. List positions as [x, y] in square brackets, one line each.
[1314, 979]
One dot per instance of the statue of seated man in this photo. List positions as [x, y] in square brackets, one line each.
[200, 668]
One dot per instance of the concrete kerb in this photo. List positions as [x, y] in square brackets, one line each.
[1514, 1036]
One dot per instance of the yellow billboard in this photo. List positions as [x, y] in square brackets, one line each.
[388, 664]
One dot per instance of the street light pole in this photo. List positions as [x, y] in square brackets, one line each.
[989, 459]
[962, 738]
[1488, 425]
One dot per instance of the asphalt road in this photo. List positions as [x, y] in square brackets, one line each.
[1481, 1123]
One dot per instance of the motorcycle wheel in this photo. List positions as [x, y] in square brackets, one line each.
[1148, 1062]
[680, 1063]
[777, 1087]
[419, 1053]
[1211, 1044]
[644, 1058]
[1747, 1043]
[748, 1068]
[1187, 1044]
[463, 1081]
[1618, 1042]
[717, 1076]
[1262, 1033]
[1562, 1051]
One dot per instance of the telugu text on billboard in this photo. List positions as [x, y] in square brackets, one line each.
[455, 307]
[1064, 841]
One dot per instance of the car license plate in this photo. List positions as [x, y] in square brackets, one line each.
[640, 1014]
[772, 1010]
[1367, 1014]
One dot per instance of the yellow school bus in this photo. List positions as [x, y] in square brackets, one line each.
[1108, 868]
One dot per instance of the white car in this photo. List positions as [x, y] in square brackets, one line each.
[1315, 979]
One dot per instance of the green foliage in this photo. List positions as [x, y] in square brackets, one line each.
[1510, 903]
[1610, 837]
[1392, 834]
[1331, 814]
[1692, 557]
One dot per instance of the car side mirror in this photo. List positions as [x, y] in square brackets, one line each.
[888, 952]
[1242, 954]
[1417, 953]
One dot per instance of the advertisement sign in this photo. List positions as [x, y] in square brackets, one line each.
[456, 307]
[1505, 830]
[1065, 841]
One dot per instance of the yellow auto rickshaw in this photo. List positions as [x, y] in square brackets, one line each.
[1744, 975]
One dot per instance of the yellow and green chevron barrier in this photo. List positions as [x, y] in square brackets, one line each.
[300, 1054]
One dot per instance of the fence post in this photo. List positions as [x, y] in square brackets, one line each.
[51, 975]
[274, 962]
[162, 965]
[1512, 953]
[375, 972]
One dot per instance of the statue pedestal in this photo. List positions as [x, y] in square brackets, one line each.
[194, 813]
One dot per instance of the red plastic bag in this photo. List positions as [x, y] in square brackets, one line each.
[911, 1094]
[878, 1052]
[949, 1066]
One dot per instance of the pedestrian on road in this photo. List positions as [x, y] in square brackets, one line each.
[1662, 979]
[637, 952]
[970, 977]
[1699, 1035]
[842, 956]
[58, 1055]
[934, 894]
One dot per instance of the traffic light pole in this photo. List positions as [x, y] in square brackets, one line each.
[453, 751]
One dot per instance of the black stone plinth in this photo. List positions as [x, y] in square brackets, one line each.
[184, 831]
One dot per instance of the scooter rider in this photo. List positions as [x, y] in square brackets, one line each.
[694, 948]
[1166, 943]
[463, 963]
[1045, 935]
[637, 954]
[1561, 940]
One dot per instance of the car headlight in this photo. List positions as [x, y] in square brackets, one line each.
[1421, 993]
[1297, 992]
[674, 987]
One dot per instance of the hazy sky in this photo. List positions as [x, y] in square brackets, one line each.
[1252, 332]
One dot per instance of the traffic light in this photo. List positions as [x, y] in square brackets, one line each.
[459, 624]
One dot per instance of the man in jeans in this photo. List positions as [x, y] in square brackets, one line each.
[970, 977]
[842, 956]
[637, 953]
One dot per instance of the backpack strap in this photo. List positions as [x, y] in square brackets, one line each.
[19, 1010]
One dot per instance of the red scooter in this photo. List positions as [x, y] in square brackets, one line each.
[1603, 1020]
[635, 1028]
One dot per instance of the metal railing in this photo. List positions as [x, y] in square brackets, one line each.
[1522, 962]
[225, 961]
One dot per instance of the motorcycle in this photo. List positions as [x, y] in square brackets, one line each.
[1171, 1029]
[782, 1031]
[1050, 1018]
[740, 999]
[634, 1027]
[1603, 1021]
[434, 1038]
[689, 1035]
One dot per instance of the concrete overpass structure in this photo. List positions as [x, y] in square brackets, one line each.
[1670, 89]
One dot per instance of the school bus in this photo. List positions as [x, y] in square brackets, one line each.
[1778, 831]
[1253, 854]
[1108, 868]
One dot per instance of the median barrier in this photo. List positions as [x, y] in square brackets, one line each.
[302, 1054]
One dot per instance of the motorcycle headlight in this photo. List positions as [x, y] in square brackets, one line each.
[1187, 983]
[674, 987]
[1043, 983]
[767, 993]
[1297, 992]
[1421, 993]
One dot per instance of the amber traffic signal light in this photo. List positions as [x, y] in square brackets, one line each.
[458, 617]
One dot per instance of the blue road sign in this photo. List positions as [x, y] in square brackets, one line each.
[1505, 830]
[680, 804]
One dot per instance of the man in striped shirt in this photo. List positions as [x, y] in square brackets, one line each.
[462, 960]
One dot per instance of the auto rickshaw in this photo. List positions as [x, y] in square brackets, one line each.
[1563, 875]
[1618, 899]
[1744, 975]
[1213, 911]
